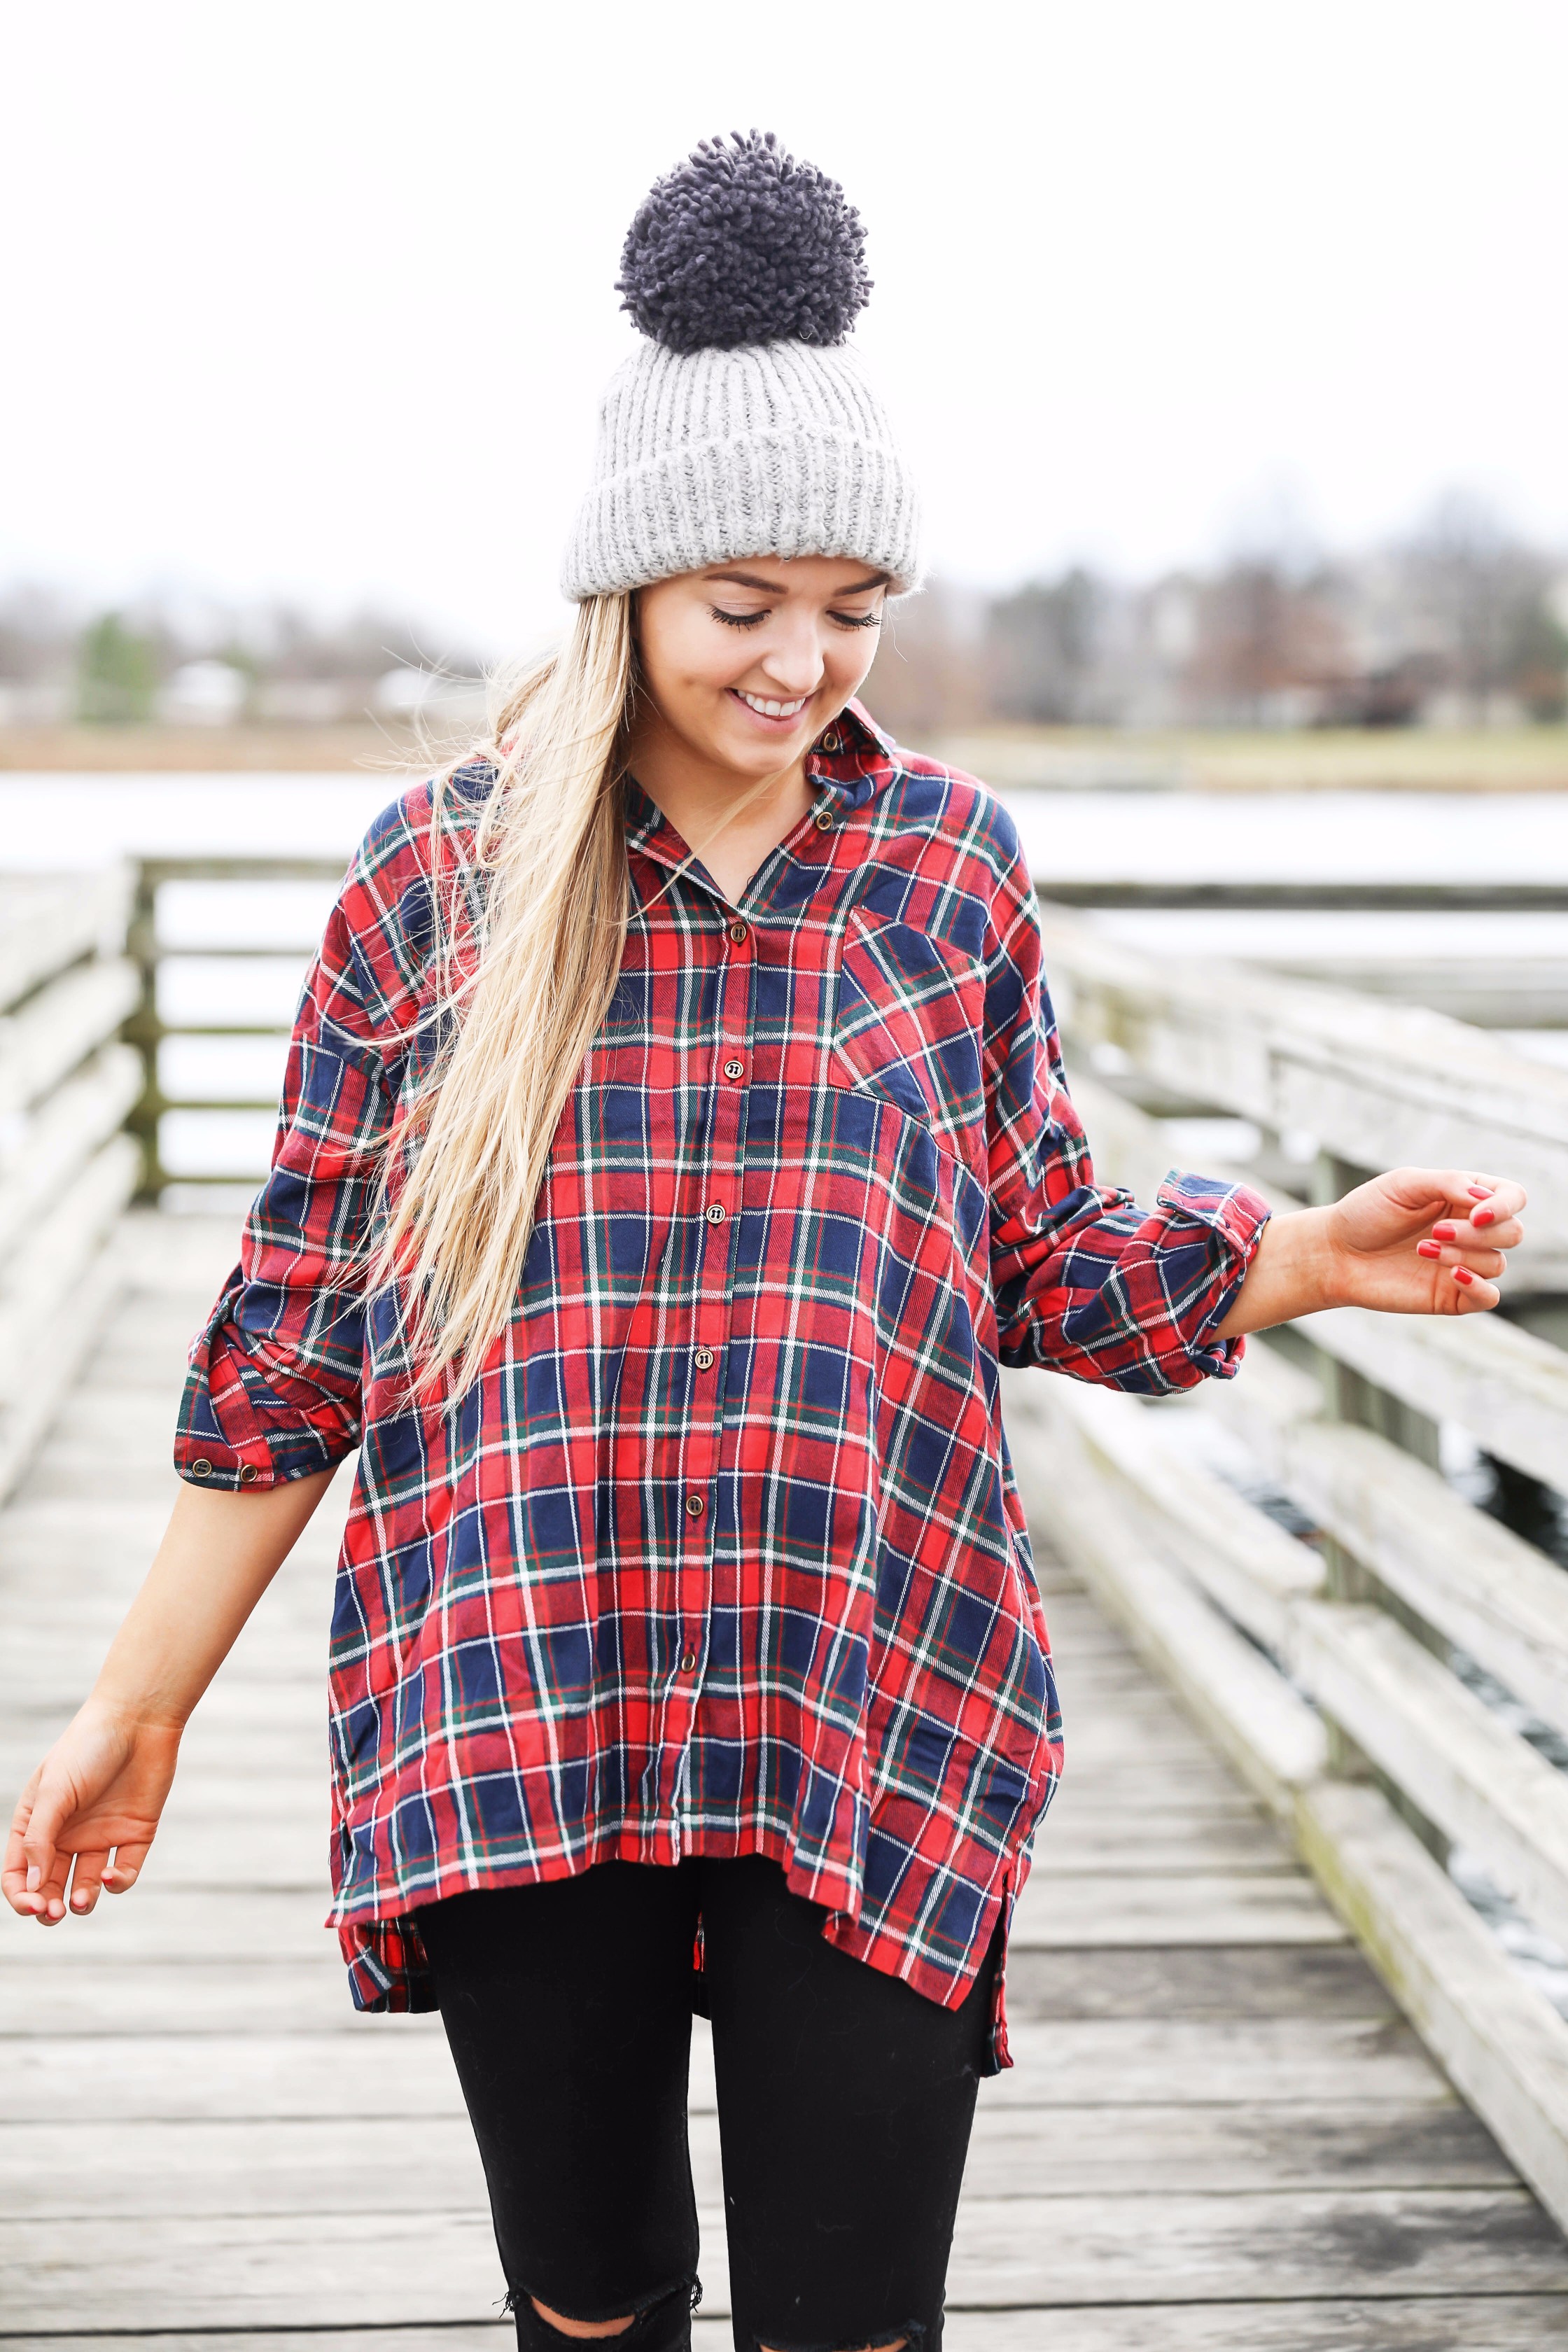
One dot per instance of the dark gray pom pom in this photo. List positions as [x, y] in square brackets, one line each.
[744, 245]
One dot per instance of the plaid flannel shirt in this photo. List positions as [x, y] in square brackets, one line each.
[723, 1553]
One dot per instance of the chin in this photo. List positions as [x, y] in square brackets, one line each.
[759, 755]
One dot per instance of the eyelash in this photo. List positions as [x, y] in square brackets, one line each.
[750, 620]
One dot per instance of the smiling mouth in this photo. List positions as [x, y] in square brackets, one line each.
[765, 710]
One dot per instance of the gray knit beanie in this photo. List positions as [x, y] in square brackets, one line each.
[743, 424]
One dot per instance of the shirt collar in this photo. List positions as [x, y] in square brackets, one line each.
[853, 759]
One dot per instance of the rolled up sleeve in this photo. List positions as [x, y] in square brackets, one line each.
[274, 1390]
[1084, 1279]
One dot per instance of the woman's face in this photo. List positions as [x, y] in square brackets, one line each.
[747, 663]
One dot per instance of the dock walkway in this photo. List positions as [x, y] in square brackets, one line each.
[1218, 2133]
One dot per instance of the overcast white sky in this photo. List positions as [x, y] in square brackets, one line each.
[316, 300]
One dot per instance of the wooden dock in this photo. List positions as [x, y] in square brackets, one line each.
[1219, 2132]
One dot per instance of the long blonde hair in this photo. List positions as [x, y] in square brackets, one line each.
[529, 908]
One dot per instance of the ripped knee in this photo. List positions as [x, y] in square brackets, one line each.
[662, 2325]
[582, 2331]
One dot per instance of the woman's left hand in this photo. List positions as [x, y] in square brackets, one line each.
[1420, 1241]
[1423, 1240]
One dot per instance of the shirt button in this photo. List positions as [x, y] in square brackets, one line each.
[734, 1069]
[703, 1359]
[823, 820]
[688, 1662]
[694, 1507]
[249, 1474]
[201, 1468]
[715, 1213]
[830, 740]
[739, 933]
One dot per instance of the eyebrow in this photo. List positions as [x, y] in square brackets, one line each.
[776, 588]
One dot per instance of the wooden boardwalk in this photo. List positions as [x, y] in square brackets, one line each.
[1218, 2133]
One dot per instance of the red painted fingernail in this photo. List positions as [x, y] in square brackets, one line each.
[1480, 1191]
[1447, 1232]
[1462, 1274]
[1428, 1249]
[1483, 1216]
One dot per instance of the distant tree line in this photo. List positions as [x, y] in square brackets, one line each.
[152, 660]
[1461, 623]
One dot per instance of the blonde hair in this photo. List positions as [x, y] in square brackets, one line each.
[530, 908]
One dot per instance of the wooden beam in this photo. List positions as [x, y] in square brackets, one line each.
[1269, 1735]
[1459, 1763]
[1501, 2041]
[49, 921]
[1249, 1566]
[1460, 1570]
[1381, 1084]
[60, 1026]
[1505, 1385]
[64, 1131]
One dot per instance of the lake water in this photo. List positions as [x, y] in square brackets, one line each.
[49, 821]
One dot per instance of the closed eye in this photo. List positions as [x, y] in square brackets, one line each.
[857, 620]
[737, 620]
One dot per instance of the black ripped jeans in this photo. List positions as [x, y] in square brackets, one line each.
[845, 2107]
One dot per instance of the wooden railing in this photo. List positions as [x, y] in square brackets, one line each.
[221, 939]
[67, 1171]
[1338, 1674]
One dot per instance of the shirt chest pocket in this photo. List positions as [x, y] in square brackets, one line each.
[906, 1025]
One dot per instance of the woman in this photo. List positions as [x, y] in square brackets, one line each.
[674, 1143]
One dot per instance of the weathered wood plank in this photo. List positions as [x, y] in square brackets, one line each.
[1503, 2323]
[1177, 2247]
[1465, 1573]
[1507, 1387]
[1269, 1735]
[1175, 1906]
[1500, 2323]
[1245, 1563]
[1088, 1838]
[1466, 1769]
[60, 1026]
[1503, 2044]
[57, 1348]
[1276, 1980]
[50, 921]
[288, 2270]
[272, 1998]
[70, 1124]
[400, 2067]
[61, 1246]
[171, 1924]
[86, 2171]
[1383, 1084]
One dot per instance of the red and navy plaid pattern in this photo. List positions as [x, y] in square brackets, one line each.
[723, 1553]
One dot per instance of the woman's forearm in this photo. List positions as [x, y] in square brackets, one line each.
[219, 1554]
[1292, 1273]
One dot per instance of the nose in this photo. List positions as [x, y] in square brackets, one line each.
[793, 663]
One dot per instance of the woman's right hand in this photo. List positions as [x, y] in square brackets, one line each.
[103, 1784]
[99, 1790]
